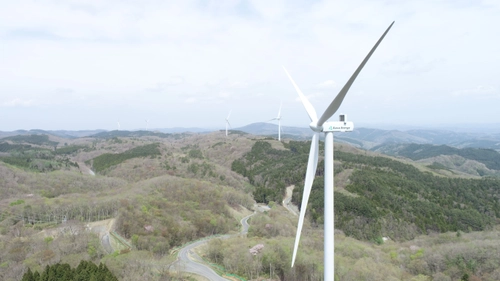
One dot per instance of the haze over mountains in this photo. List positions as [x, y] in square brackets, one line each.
[477, 136]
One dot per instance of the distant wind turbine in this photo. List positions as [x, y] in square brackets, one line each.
[147, 124]
[118, 125]
[279, 122]
[320, 125]
[227, 121]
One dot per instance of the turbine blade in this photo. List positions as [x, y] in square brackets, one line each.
[307, 105]
[312, 164]
[229, 114]
[334, 106]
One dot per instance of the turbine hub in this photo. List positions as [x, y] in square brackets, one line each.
[314, 126]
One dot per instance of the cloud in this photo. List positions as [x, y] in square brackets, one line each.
[169, 82]
[311, 97]
[272, 10]
[224, 94]
[413, 64]
[237, 85]
[17, 102]
[127, 52]
[61, 96]
[478, 92]
[58, 96]
[328, 84]
[191, 100]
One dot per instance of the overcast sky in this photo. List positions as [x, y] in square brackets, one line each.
[90, 64]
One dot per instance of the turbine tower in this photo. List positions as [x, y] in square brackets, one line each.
[320, 125]
[279, 122]
[227, 121]
[147, 124]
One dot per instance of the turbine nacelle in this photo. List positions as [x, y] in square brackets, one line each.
[314, 126]
[338, 126]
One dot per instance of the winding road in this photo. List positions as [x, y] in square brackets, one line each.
[244, 224]
[189, 261]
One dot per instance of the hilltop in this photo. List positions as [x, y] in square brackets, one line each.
[162, 190]
[363, 137]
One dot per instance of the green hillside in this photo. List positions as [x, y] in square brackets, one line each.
[394, 199]
[40, 159]
[270, 170]
[107, 160]
[489, 157]
[32, 139]
[152, 194]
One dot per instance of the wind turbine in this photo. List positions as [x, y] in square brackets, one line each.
[118, 125]
[147, 124]
[227, 121]
[320, 125]
[279, 122]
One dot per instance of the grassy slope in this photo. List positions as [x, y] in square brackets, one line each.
[140, 188]
[138, 192]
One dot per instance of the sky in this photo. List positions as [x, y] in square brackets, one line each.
[79, 65]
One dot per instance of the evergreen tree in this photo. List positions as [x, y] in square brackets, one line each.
[45, 274]
[85, 271]
[28, 276]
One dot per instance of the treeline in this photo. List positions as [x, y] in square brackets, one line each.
[7, 147]
[69, 149]
[86, 271]
[489, 157]
[131, 134]
[17, 183]
[271, 170]
[77, 211]
[398, 200]
[33, 139]
[107, 160]
[38, 159]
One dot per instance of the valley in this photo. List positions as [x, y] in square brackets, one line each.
[132, 200]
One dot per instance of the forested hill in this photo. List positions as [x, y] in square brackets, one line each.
[487, 160]
[157, 192]
[129, 134]
[384, 197]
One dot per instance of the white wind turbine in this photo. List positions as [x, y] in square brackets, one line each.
[227, 121]
[320, 125]
[279, 122]
[147, 124]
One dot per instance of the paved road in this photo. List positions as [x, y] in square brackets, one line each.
[189, 261]
[244, 224]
